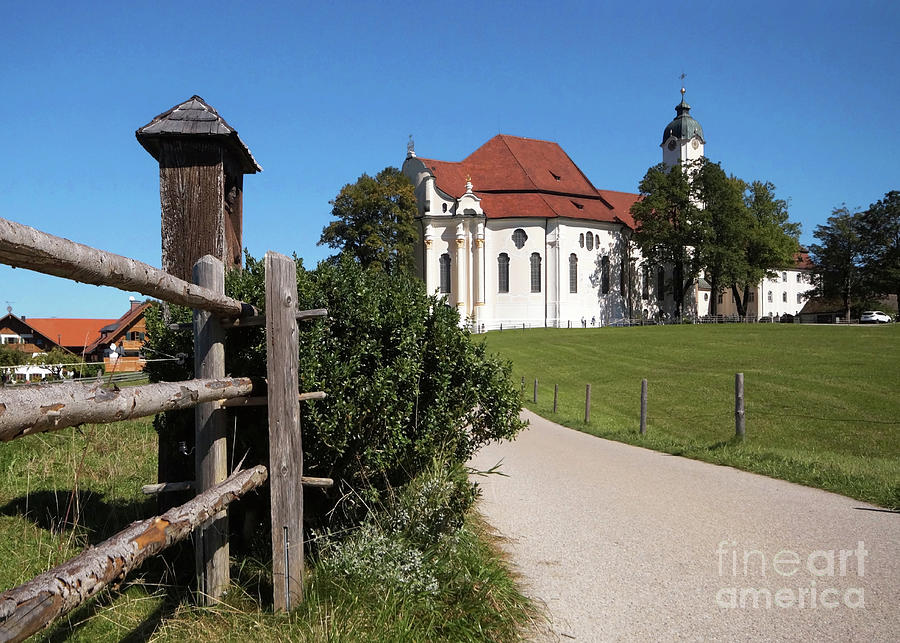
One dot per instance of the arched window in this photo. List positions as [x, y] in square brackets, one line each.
[573, 273]
[784, 276]
[535, 272]
[770, 297]
[590, 241]
[581, 240]
[519, 238]
[645, 282]
[597, 240]
[604, 275]
[660, 283]
[503, 272]
[799, 298]
[445, 273]
[784, 297]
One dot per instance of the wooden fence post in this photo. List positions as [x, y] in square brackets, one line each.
[555, 396]
[535, 391]
[587, 404]
[643, 406]
[211, 459]
[739, 418]
[285, 444]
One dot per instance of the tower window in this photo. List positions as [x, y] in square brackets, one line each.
[519, 238]
[445, 273]
[535, 272]
[604, 275]
[503, 272]
[573, 273]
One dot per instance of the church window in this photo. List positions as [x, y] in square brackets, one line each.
[503, 272]
[444, 207]
[799, 298]
[590, 241]
[784, 297]
[798, 277]
[706, 296]
[445, 273]
[597, 240]
[660, 283]
[784, 276]
[769, 297]
[573, 273]
[581, 240]
[535, 272]
[519, 238]
[645, 282]
[604, 275]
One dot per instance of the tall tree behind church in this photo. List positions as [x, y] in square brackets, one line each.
[839, 259]
[880, 230]
[375, 221]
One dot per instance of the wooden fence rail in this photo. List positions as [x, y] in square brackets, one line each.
[22, 246]
[36, 409]
[26, 609]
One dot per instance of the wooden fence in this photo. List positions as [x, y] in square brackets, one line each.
[24, 411]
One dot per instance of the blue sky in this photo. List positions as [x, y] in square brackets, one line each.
[802, 94]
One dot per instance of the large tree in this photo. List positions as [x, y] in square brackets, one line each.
[375, 220]
[670, 226]
[839, 258]
[879, 227]
[769, 241]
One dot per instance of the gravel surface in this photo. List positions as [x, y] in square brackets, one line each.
[624, 543]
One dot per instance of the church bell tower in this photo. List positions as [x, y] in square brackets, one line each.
[683, 138]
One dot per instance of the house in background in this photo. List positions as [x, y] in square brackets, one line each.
[128, 334]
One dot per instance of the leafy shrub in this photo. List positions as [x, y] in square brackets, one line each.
[404, 382]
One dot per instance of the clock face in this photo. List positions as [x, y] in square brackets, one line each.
[672, 145]
[695, 144]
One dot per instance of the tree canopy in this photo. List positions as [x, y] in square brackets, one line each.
[839, 258]
[879, 227]
[375, 220]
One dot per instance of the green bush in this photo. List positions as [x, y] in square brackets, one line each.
[405, 383]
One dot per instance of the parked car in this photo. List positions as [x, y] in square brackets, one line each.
[787, 318]
[874, 317]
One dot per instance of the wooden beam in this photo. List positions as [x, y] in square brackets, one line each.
[211, 452]
[285, 445]
[28, 608]
[22, 246]
[165, 487]
[260, 320]
[34, 409]
[262, 400]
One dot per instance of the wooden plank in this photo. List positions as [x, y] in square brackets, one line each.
[285, 445]
[26, 609]
[22, 246]
[260, 320]
[263, 400]
[211, 452]
[166, 487]
[35, 409]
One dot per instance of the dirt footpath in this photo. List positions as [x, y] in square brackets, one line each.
[623, 543]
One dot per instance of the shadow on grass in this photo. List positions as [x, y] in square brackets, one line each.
[59, 509]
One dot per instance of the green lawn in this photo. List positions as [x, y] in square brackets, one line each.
[822, 402]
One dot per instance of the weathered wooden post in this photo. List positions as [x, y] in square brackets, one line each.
[555, 396]
[211, 451]
[535, 390]
[202, 162]
[587, 404]
[643, 406]
[285, 444]
[739, 405]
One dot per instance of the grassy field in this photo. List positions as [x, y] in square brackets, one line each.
[822, 402]
[62, 491]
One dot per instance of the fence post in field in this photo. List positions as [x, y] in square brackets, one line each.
[555, 396]
[211, 459]
[643, 406]
[739, 405]
[285, 444]
[587, 404]
[535, 390]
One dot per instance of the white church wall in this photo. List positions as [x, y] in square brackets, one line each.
[519, 305]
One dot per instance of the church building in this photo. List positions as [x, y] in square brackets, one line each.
[516, 234]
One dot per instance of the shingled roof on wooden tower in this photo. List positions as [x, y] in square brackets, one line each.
[195, 118]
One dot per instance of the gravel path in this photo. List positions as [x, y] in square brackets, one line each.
[623, 543]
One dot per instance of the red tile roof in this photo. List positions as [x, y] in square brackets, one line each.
[526, 177]
[802, 261]
[71, 333]
[120, 324]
